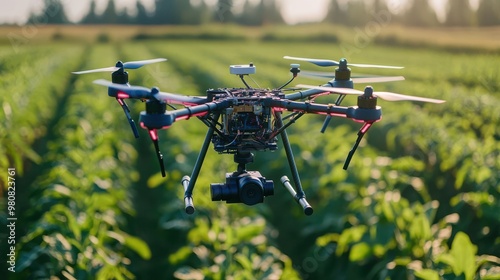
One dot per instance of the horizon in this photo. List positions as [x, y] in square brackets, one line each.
[292, 11]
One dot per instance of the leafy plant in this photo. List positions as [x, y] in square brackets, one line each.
[240, 250]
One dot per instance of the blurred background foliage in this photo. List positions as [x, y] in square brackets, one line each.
[458, 13]
[420, 199]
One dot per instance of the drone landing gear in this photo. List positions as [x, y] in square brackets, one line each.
[126, 110]
[121, 77]
[153, 134]
[308, 210]
[298, 195]
[153, 119]
[243, 186]
[189, 182]
[362, 131]
[329, 117]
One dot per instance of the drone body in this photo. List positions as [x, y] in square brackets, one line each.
[247, 125]
[241, 121]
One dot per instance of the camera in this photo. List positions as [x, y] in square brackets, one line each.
[248, 187]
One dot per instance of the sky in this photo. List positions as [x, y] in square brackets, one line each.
[293, 11]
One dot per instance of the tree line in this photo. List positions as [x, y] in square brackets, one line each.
[256, 13]
[414, 13]
[176, 12]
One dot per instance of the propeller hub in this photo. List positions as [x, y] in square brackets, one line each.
[368, 92]
[119, 63]
[155, 90]
[343, 64]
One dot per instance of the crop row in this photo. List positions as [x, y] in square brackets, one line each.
[233, 246]
[434, 160]
[32, 92]
[81, 200]
[423, 175]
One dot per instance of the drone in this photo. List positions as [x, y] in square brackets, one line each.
[245, 120]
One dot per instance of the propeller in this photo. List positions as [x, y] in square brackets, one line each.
[121, 65]
[139, 92]
[121, 77]
[363, 79]
[327, 62]
[389, 96]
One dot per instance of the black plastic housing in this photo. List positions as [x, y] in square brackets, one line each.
[249, 188]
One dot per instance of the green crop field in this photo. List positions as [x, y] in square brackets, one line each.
[420, 200]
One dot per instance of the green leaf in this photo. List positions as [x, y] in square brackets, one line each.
[181, 255]
[483, 174]
[348, 236]
[446, 259]
[156, 180]
[198, 234]
[247, 232]
[464, 254]
[387, 211]
[491, 277]
[427, 274]
[243, 260]
[359, 252]
[462, 174]
[133, 243]
[420, 228]
[139, 246]
[403, 261]
[324, 240]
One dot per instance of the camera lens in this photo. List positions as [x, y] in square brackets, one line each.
[251, 190]
[216, 191]
[268, 188]
[225, 192]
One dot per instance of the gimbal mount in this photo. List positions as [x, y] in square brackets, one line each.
[248, 187]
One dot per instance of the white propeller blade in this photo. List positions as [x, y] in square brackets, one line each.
[126, 65]
[139, 63]
[107, 69]
[328, 62]
[368, 80]
[363, 79]
[389, 96]
[143, 92]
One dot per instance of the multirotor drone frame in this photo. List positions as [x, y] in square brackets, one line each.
[241, 121]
